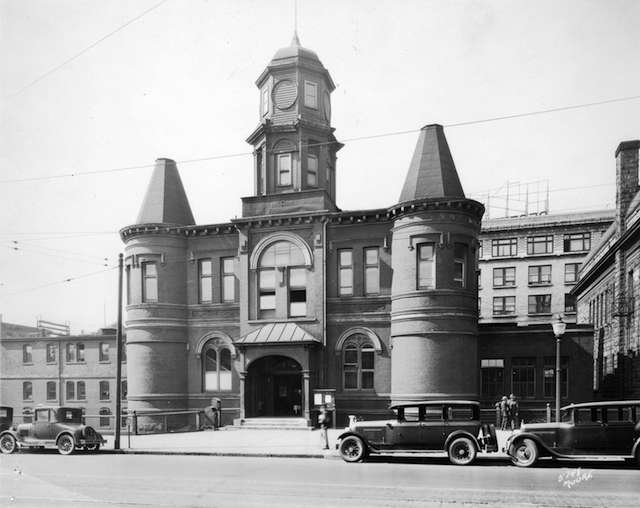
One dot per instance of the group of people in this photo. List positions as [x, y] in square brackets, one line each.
[508, 412]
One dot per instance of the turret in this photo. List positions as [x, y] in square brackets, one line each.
[155, 259]
[434, 288]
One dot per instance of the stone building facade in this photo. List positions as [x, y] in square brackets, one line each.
[297, 294]
[607, 292]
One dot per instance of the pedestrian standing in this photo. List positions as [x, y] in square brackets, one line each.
[501, 406]
[512, 410]
[324, 420]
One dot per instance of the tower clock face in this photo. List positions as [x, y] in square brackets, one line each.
[326, 103]
[285, 93]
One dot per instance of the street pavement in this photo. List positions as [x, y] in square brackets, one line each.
[47, 479]
[230, 441]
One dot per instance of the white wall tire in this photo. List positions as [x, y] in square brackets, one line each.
[8, 444]
[352, 449]
[462, 451]
[66, 445]
[525, 453]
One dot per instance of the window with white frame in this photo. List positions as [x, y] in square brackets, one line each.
[105, 418]
[149, 281]
[504, 277]
[312, 170]
[311, 94]
[540, 244]
[504, 305]
[345, 272]
[577, 242]
[459, 265]
[52, 392]
[104, 352]
[27, 353]
[264, 103]
[76, 390]
[283, 164]
[74, 352]
[205, 281]
[27, 390]
[104, 390]
[52, 353]
[358, 362]
[372, 270]
[426, 257]
[217, 367]
[503, 247]
[539, 304]
[282, 281]
[539, 275]
[571, 271]
[228, 280]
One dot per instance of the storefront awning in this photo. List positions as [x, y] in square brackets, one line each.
[278, 333]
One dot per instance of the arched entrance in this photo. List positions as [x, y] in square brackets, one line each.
[273, 387]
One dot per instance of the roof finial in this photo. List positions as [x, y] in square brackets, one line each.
[295, 41]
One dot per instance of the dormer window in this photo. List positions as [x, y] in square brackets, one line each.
[284, 169]
[264, 103]
[311, 94]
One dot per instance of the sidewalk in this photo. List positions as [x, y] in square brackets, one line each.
[229, 441]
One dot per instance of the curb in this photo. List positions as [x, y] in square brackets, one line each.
[225, 454]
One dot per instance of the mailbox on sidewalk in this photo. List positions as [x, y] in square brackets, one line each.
[326, 397]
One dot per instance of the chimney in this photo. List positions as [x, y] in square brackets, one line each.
[626, 179]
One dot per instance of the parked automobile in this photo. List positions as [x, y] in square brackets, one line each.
[588, 431]
[6, 417]
[451, 426]
[52, 427]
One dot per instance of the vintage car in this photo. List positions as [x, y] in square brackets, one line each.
[6, 417]
[451, 426]
[60, 427]
[588, 431]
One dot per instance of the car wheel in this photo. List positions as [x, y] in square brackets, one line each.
[8, 444]
[462, 451]
[525, 453]
[92, 447]
[352, 449]
[66, 445]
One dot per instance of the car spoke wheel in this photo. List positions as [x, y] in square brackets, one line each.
[525, 453]
[8, 444]
[65, 444]
[352, 449]
[462, 451]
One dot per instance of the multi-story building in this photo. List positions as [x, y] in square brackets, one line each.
[607, 292]
[71, 370]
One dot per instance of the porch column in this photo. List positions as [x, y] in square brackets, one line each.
[306, 394]
[242, 376]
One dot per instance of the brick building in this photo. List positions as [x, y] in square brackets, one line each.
[607, 292]
[37, 368]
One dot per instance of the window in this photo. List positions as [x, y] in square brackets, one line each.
[71, 390]
[27, 415]
[75, 390]
[267, 289]
[264, 103]
[523, 377]
[149, 281]
[540, 275]
[571, 271]
[123, 389]
[80, 351]
[228, 280]
[128, 280]
[426, 265]
[479, 306]
[480, 249]
[504, 305]
[345, 272]
[42, 415]
[105, 419]
[492, 377]
[205, 281]
[479, 279]
[312, 170]
[104, 352]
[104, 390]
[550, 377]
[540, 244]
[358, 359]
[27, 353]
[371, 271]
[52, 353]
[569, 303]
[27, 390]
[310, 94]
[217, 368]
[51, 390]
[576, 242]
[284, 168]
[504, 277]
[502, 247]
[459, 265]
[80, 392]
[297, 291]
[539, 304]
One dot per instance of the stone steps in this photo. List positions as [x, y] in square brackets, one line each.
[272, 423]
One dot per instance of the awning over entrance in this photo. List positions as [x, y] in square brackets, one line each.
[278, 333]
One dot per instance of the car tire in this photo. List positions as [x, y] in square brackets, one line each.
[462, 451]
[92, 447]
[525, 453]
[65, 444]
[8, 444]
[352, 449]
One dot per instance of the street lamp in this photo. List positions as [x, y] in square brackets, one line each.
[559, 328]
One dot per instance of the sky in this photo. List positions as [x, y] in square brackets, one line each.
[179, 81]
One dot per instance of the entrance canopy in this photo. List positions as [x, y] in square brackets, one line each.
[278, 333]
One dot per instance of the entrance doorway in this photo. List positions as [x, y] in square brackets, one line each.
[273, 387]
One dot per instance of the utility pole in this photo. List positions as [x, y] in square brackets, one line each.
[116, 442]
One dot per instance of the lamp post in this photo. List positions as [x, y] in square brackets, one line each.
[559, 328]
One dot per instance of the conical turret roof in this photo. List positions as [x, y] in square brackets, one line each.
[432, 173]
[165, 201]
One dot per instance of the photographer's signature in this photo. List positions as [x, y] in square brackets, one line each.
[571, 477]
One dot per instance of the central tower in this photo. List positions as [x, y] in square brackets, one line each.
[294, 146]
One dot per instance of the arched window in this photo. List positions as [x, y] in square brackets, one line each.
[217, 367]
[358, 361]
[282, 281]
[105, 420]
